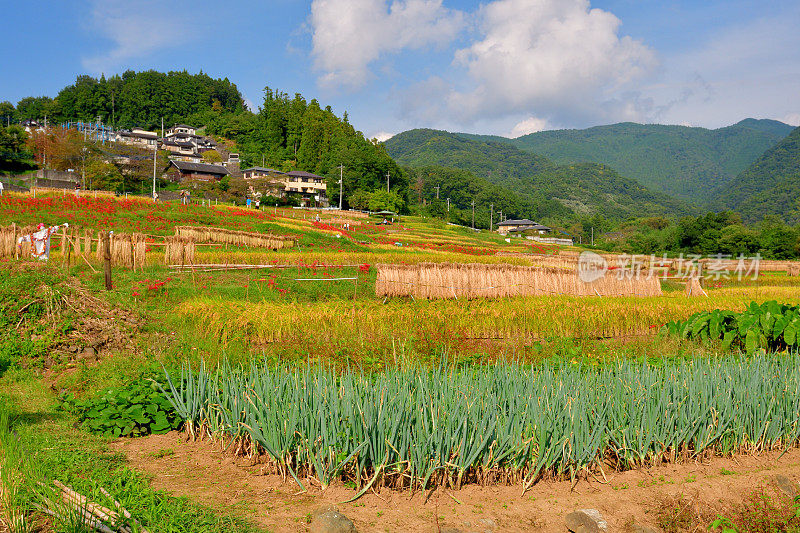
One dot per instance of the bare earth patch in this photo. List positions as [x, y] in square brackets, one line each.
[201, 471]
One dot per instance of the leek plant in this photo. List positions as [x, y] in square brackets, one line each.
[417, 427]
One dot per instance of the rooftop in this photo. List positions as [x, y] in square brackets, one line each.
[263, 169]
[521, 222]
[140, 133]
[303, 174]
[200, 167]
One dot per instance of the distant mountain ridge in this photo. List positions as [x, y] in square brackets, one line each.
[689, 163]
[571, 191]
[769, 186]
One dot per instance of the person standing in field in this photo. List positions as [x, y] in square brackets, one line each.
[40, 241]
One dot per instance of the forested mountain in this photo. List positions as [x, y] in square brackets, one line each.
[684, 162]
[559, 192]
[463, 187]
[135, 99]
[770, 186]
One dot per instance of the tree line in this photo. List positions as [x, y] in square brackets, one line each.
[131, 99]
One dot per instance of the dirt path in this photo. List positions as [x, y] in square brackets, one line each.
[202, 472]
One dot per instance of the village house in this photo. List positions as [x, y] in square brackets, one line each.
[262, 173]
[183, 134]
[183, 171]
[181, 151]
[137, 137]
[518, 226]
[309, 187]
[180, 129]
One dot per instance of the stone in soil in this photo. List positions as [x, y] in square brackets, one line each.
[330, 520]
[786, 485]
[586, 521]
[641, 528]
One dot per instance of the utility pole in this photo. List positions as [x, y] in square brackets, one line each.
[491, 217]
[44, 150]
[437, 192]
[448, 204]
[162, 127]
[473, 214]
[592, 235]
[155, 156]
[341, 185]
[387, 181]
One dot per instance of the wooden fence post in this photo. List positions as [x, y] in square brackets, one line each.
[107, 259]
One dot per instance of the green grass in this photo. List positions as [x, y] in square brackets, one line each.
[39, 443]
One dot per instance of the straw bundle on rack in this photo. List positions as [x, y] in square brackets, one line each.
[99, 251]
[448, 280]
[748, 265]
[121, 250]
[342, 221]
[139, 249]
[348, 214]
[74, 237]
[87, 242]
[235, 238]
[25, 249]
[8, 240]
[693, 287]
[179, 250]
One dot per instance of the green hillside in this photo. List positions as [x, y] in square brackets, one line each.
[770, 186]
[585, 189]
[684, 162]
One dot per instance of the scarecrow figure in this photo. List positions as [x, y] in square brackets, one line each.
[40, 241]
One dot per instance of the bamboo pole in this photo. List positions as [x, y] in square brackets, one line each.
[107, 259]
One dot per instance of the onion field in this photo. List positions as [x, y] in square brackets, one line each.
[418, 428]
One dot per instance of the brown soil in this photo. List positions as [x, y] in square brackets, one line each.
[201, 471]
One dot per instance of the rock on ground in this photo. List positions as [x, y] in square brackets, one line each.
[586, 521]
[330, 520]
[786, 485]
[641, 528]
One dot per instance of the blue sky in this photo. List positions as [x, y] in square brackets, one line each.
[505, 67]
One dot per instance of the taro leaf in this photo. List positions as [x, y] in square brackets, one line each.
[699, 324]
[767, 320]
[727, 340]
[714, 327]
[751, 341]
[780, 326]
[790, 334]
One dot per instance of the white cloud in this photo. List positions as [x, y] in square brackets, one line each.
[382, 136]
[792, 119]
[529, 125]
[348, 35]
[553, 58]
[137, 28]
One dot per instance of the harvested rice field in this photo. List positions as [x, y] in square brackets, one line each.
[225, 369]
